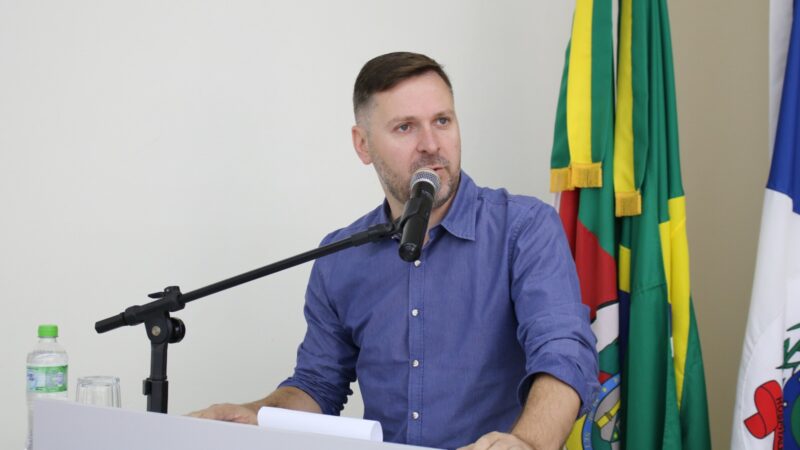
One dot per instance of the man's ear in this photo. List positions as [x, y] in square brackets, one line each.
[360, 144]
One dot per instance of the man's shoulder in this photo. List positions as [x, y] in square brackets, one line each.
[515, 205]
[362, 223]
[517, 214]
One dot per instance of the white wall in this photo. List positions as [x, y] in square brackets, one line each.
[150, 143]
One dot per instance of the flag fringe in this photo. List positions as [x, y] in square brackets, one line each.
[587, 175]
[561, 180]
[628, 204]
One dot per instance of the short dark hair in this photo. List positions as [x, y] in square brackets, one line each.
[384, 72]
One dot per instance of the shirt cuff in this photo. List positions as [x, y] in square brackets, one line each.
[565, 370]
[324, 406]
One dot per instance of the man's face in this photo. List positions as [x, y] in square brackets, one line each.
[411, 126]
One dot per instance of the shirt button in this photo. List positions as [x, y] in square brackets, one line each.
[417, 263]
[415, 312]
[415, 415]
[415, 363]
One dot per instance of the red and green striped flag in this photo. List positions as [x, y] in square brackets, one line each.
[636, 282]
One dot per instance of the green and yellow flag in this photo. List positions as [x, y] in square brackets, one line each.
[584, 119]
[632, 125]
[663, 385]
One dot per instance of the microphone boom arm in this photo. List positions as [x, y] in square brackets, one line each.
[163, 330]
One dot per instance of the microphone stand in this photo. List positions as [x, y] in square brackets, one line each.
[162, 329]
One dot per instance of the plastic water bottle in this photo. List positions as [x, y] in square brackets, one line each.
[47, 372]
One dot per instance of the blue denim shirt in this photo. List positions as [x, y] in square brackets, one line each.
[444, 348]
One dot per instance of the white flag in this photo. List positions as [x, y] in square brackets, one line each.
[767, 411]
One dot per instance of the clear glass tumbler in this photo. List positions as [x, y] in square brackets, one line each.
[99, 391]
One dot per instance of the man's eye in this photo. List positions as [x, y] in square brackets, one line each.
[443, 120]
[404, 127]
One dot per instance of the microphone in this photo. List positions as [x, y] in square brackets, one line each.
[414, 223]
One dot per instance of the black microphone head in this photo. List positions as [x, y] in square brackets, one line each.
[426, 176]
[414, 222]
[410, 252]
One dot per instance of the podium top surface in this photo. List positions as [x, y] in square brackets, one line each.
[60, 424]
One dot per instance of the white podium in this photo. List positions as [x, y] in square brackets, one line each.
[65, 425]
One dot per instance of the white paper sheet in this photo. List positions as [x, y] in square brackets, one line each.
[285, 419]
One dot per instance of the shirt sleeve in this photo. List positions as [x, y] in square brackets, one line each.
[554, 328]
[327, 356]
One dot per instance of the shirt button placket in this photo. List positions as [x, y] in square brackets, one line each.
[416, 350]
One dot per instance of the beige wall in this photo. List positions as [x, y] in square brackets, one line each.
[721, 64]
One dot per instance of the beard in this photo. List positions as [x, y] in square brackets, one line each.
[398, 185]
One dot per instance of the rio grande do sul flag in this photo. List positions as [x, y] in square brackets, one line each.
[767, 411]
[589, 223]
[582, 171]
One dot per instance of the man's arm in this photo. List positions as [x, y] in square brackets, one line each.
[546, 420]
[555, 333]
[286, 397]
[549, 413]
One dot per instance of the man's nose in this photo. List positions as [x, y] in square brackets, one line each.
[428, 141]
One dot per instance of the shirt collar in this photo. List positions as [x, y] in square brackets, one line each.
[460, 218]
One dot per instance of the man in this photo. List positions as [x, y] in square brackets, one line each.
[483, 340]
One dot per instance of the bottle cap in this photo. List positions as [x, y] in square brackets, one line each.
[48, 331]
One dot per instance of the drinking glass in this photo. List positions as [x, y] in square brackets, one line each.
[99, 391]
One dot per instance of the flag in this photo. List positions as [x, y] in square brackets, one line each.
[584, 129]
[663, 384]
[582, 162]
[767, 410]
[634, 269]
[588, 219]
[631, 141]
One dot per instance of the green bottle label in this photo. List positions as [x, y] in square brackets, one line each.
[47, 380]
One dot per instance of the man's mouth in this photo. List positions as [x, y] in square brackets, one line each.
[439, 168]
